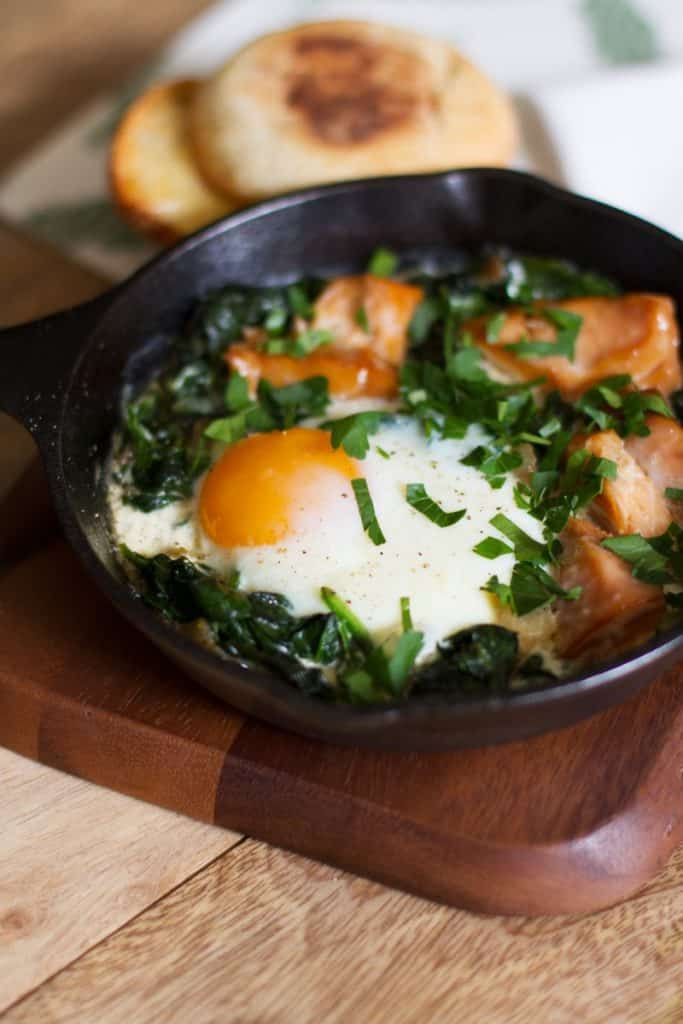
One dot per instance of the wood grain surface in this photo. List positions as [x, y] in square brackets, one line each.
[568, 822]
[264, 937]
[51, 909]
[259, 936]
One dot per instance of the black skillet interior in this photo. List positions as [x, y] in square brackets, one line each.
[64, 378]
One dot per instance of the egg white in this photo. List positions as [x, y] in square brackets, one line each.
[434, 567]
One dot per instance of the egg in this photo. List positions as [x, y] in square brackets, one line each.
[280, 509]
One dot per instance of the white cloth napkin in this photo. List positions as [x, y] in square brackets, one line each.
[605, 131]
[615, 136]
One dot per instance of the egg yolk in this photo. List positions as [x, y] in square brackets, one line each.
[350, 373]
[262, 488]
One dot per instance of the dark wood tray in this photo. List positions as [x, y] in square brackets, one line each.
[568, 822]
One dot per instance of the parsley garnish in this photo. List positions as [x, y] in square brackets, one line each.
[273, 409]
[674, 493]
[553, 496]
[525, 547]
[406, 617]
[612, 404]
[237, 392]
[425, 316]
[367, 511]
[383, 262]
[230, 429]
[301, 346]
[417, 498]
[568, 327]
[530, 587]
[654, 560]
[361, 318]
[370, 672]
[494, 465]
[494, 326]
[352, 432]
[276, 321]
[647, 563]
[299, 301]
[492, 547]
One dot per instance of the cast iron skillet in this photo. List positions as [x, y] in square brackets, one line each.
[63, 378]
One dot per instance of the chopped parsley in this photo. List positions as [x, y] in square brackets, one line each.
[648, 564]
[530, 587]
[526, 549]
[300, 301]
[492, 547]
[614, 404]
[366, 511]
[554, 495]
[406, 617]
[361, 318]
[417, 498]
[494, 326]
[305, 343]
[370, 671]
[424, 318]
[352, 433]
[383, 262]
[568, 327]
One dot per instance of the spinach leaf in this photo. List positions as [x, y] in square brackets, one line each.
[472, 662]
[257, 626]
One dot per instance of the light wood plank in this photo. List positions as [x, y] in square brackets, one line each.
[77, 862]
[268, 937]
[58, 54]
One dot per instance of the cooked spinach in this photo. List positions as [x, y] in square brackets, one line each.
[165, 443]
[472, 662]
[261, 628]
[257, 626]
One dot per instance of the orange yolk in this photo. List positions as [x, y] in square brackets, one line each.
[261, 488]
[350, 373]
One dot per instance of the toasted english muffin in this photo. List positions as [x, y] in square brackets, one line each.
[345, 99]
[155, 181]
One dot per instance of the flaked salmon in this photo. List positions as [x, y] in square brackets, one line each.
[633, 334]
[615, 612]
[632, 503]
[366, 311]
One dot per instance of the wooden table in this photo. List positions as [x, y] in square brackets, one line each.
[111, 910]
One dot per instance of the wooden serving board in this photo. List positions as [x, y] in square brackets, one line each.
[569, 822]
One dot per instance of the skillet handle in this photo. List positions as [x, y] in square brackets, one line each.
[36, 360]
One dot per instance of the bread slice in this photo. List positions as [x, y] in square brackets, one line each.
[156, 184]
[345, 99]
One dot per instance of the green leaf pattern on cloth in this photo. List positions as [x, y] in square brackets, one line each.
[622, 35]
[87, 220]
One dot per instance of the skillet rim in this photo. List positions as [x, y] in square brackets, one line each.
[366, 724]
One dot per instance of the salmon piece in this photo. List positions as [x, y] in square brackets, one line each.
[615, 611]
[635, 334]
[633, 503]
[388, 305]
[660, 455]
[351, 374]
